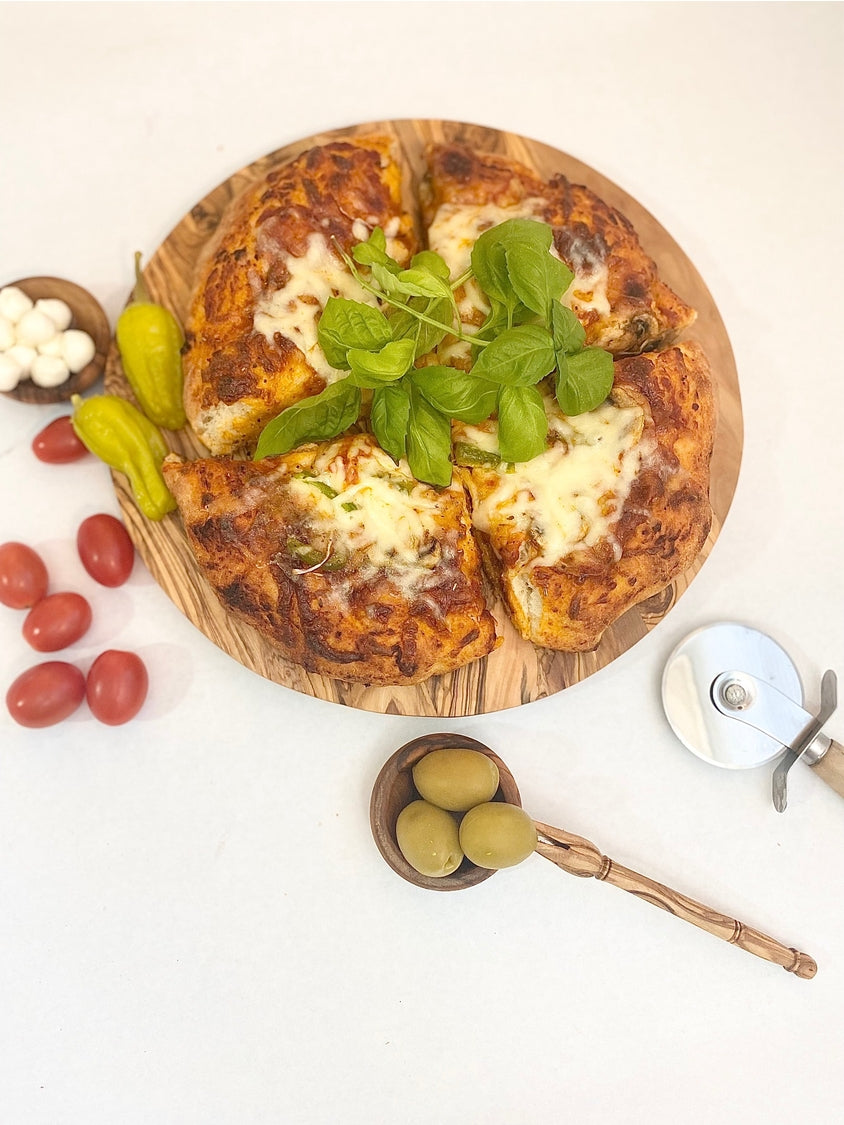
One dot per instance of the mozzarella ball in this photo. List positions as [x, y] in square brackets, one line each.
[7, 333]
[78, 349]
[23, 355]
[10, 372]
[58, 311]
[49, 371]
[53, 346]
[14, 303]
[34, 328]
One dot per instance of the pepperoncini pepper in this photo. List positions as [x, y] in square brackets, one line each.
[149, 339]
[119, 434]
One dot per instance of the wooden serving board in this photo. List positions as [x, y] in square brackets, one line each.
[517, 672]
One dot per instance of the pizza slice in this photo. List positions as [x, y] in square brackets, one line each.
[338, 556]
[614, 509]
[251, 335]
[616, 293]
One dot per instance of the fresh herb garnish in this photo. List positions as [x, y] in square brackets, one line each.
[527, 336]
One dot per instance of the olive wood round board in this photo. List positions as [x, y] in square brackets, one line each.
[517, 672]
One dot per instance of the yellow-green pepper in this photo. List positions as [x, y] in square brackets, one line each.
[119, 434]
[149, 339]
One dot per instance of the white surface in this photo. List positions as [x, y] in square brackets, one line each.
[195, 924]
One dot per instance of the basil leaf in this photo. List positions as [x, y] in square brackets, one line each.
[522, 423]
[432, 262]
[489, 265]
[316, 418]
[348, 324]
[519, 357]
[372, 369]
[387, 279]
[428, 441]
[374, 252]
[407, 326]
[567, 332]
[457, 394]
[537, 277]
[389, 417]
[590, 378]
[422, 283]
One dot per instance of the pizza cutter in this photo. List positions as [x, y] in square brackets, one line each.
[733, 697]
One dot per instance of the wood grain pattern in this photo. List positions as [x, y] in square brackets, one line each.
[517, 672]
[582, 858]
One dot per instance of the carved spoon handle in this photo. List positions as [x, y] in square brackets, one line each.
[580, 857]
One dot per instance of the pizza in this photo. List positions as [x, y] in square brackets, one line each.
[616, 506]
[616, 293]
[343, 560]
[340, 558]
[251, 334]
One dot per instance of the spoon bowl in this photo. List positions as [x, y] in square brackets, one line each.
[394, 789]
[88, 315]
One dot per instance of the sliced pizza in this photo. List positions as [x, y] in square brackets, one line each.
[338, 556]
[616, 293]
[614, 509]
[251, 335]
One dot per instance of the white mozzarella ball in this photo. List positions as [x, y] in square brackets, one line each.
[10, 372]
[53, 346]
[23, 355]
[49, 371]
[58, 311]
[34, 328]
[14, 303]
[78, 349]
[7, 333]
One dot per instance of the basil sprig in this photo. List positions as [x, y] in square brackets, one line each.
[527, 336]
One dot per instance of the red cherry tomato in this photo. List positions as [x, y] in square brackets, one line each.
[106, 550]
[57, 443]
[23, 576]
[57, 621]
[117, 686]
[45, 694]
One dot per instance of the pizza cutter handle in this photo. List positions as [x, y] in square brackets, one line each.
[830, 768]
[580, 857]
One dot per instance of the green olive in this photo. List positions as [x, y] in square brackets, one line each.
[456, 779]
[497, 835]
[427, 837]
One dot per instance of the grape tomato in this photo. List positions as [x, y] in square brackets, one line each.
[57, 621]
[23, 576]
[117, 686]
[45, 694]
[106, 550]
[57, 443]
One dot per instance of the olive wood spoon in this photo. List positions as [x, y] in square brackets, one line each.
[394, 789]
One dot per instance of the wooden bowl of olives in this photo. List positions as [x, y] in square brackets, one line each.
[408, 825]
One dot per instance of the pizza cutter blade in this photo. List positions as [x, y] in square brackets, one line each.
[734, 698]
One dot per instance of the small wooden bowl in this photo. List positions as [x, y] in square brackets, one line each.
[88, 315]
[394, 789]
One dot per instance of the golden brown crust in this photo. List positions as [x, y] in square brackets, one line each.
[637, 312]
[236, 379]
[357, 622]
[662, 526]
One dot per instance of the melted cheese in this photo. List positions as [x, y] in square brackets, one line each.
[295, 309]
[379, 511]
[569, 496]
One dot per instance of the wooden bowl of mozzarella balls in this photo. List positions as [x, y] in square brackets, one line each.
[54, 339]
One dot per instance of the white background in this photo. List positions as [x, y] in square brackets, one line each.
[195, 925]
